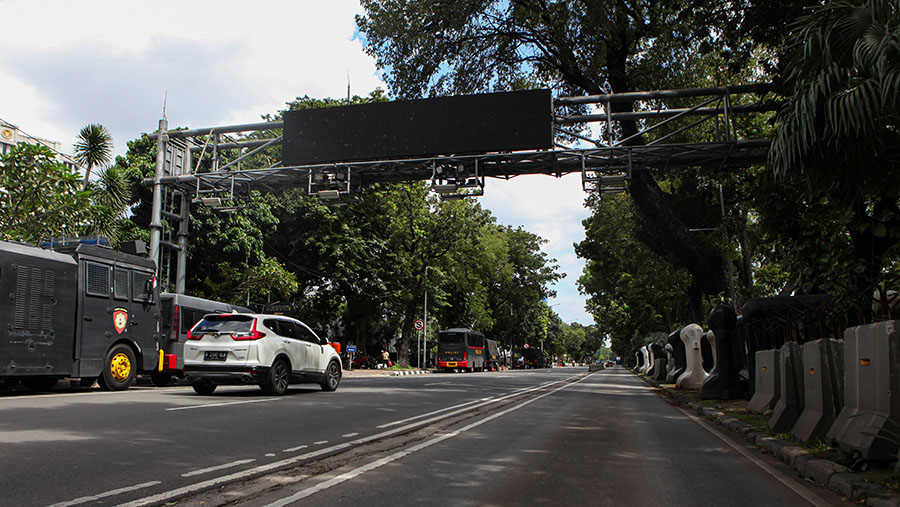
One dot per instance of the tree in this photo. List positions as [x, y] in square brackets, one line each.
[432, 47]
[110, 197]
[39, 196]
[837, 132]
[632, 290]
[93, 147]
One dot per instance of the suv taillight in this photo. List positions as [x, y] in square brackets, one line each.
[176, 324]
[194, 337]
[254, 334]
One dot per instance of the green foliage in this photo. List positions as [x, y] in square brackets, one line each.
[39, 196]
[835, 146]
[633, 291]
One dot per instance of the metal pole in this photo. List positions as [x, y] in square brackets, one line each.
[725, 236]
[181, 269]
[156, 210]
[425, 330]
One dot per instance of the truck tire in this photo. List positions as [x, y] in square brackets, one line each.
[119, 369]
[332, 377]
[278, 379]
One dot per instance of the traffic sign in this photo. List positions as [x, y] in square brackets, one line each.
[419, 324]
[351, 348]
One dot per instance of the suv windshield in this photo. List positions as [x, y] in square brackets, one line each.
[231, 324]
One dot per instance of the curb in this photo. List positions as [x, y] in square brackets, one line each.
[823, 472]
[402, 373]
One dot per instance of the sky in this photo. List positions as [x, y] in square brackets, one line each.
[118, 62]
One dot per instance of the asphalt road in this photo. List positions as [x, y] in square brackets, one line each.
[537, 437]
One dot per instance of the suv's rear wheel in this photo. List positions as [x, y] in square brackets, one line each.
[332, 377]
[279, 377]
[203, 387]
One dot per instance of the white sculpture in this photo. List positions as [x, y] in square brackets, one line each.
[694, 374]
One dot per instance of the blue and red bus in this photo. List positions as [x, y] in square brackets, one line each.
[461, 349]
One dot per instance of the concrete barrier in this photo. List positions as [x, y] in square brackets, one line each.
[694, 374]
[790, 399]
[724, 383]
[678, 351]
[823, 381]
[658, 372]
[648, 360]
[670, 359]
[708, 347]
[768, 382]
[870, 419]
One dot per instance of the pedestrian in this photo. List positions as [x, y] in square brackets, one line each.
[385, 358]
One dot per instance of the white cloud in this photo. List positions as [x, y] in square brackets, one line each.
[69, 63]
[220, 62]
[552, 208]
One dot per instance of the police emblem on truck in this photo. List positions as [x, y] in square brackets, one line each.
[120, 319]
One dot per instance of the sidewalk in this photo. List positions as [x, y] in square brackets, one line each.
[821, 471]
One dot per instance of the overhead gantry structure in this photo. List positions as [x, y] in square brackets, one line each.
[321, 151]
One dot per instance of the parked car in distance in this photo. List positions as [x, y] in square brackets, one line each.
[271, 351]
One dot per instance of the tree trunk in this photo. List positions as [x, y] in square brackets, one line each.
[704, 265]
[409, 315]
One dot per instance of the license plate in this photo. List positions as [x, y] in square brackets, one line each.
[451, 364]
[215, 355]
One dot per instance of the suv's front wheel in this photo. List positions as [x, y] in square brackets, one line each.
[332, 377]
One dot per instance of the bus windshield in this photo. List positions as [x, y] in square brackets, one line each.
[451, 338]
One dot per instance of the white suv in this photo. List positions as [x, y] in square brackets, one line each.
[271, 351]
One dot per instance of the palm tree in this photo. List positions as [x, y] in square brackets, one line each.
[844, 93]
[838, 130]
[94, 146]
[110, 199]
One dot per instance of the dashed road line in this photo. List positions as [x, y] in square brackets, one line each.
[223, 404]
[217, 468]
[270, 467]
[107, 494]
[406, 452]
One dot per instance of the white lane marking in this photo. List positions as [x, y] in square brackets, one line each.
[511, 394]
[348, 435]
[218, 467]
[436, 384]
[224, 403]
[270, 454]
[794, 486]
[261, 469]
[406, 452]
[98, 496]
[320, 442]
[401, 421]
[292, 449]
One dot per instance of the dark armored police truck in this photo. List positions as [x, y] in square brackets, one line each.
[91, 313]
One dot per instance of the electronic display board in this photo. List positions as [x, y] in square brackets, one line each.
[467, 124]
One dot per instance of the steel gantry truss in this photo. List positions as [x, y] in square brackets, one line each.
[604, 159]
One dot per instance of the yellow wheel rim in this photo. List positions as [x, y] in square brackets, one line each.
[120, 367]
